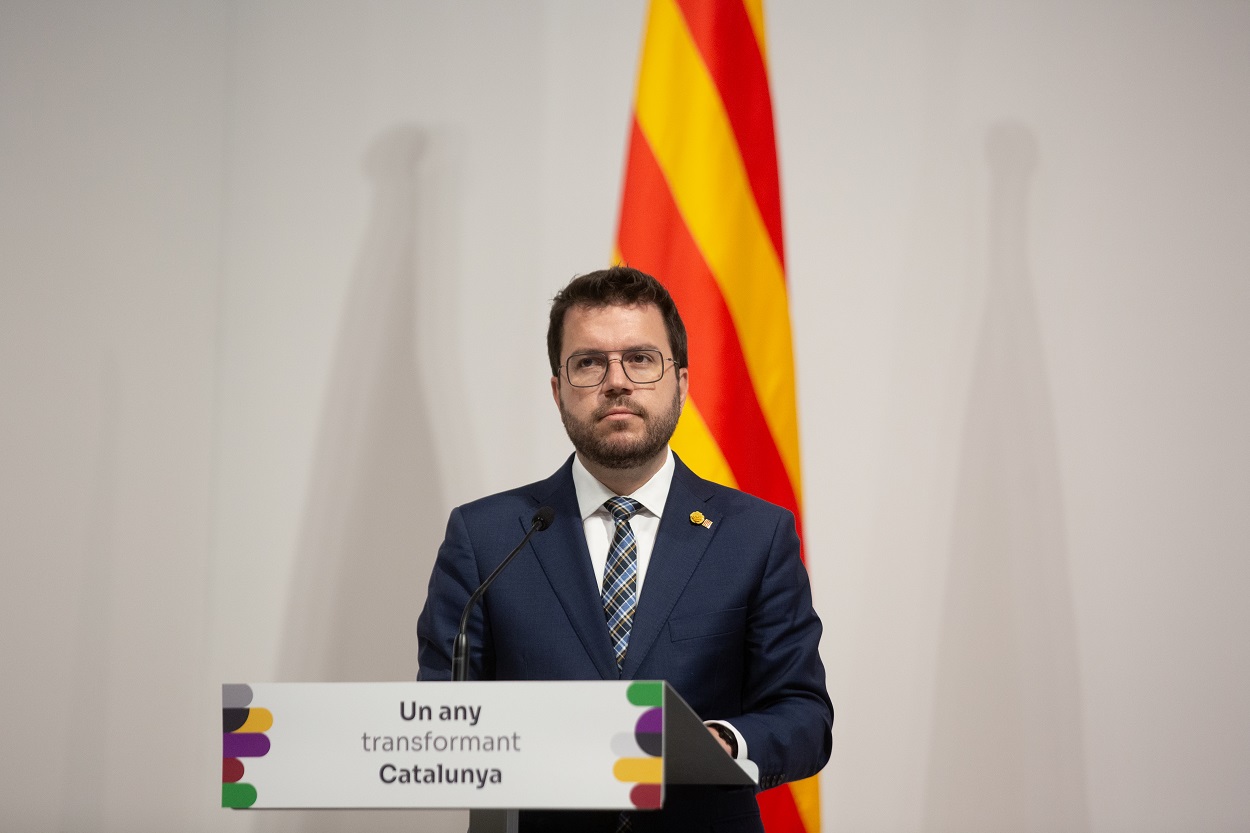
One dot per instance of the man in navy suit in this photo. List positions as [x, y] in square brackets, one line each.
[646, 572]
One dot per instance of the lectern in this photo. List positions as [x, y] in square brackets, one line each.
[490, 747]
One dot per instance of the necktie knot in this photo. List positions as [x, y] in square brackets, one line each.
[622, 508]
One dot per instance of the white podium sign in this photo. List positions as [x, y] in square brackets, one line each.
[527, 745]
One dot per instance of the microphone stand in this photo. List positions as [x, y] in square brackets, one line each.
[460, 651]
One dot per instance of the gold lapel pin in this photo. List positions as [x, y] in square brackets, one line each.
[697, 519]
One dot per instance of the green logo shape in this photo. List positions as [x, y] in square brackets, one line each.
[646, 694]
[238, 796]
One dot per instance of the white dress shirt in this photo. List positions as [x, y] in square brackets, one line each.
[600, 526]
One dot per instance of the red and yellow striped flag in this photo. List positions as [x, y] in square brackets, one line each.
[702, 212]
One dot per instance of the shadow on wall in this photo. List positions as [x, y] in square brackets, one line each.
[368, 540]
[1007, 750]
[82, 799]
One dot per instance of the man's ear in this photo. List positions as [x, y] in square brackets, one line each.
[683, 384]
[555, 390]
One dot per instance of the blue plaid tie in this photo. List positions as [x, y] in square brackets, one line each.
[620, 576]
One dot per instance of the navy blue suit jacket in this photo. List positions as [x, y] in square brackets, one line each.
[725, 616]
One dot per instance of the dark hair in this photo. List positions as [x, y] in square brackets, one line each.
[618, 286]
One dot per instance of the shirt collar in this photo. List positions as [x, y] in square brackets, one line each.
[591, 494]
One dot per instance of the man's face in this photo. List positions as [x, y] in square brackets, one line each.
[619, 424]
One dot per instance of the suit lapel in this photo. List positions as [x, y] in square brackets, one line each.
[680, 545]
[562, 554]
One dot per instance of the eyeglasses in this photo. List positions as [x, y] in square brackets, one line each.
[588, 370]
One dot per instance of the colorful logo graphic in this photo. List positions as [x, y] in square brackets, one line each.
[647, 774]
[243, 736]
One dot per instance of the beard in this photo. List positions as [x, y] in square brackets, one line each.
[614, 450]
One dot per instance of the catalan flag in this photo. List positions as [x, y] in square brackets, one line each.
[702, 211]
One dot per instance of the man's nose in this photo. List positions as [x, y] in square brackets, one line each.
[615, 379]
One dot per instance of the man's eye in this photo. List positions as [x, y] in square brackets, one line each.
[640, 359]
[589, 362]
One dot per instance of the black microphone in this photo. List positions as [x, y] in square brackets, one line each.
[460, 653]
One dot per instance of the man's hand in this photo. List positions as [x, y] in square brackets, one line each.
[723, 744]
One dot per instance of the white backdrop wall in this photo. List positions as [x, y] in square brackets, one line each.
[273, 280]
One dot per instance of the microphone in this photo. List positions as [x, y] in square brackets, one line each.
[460, 653]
